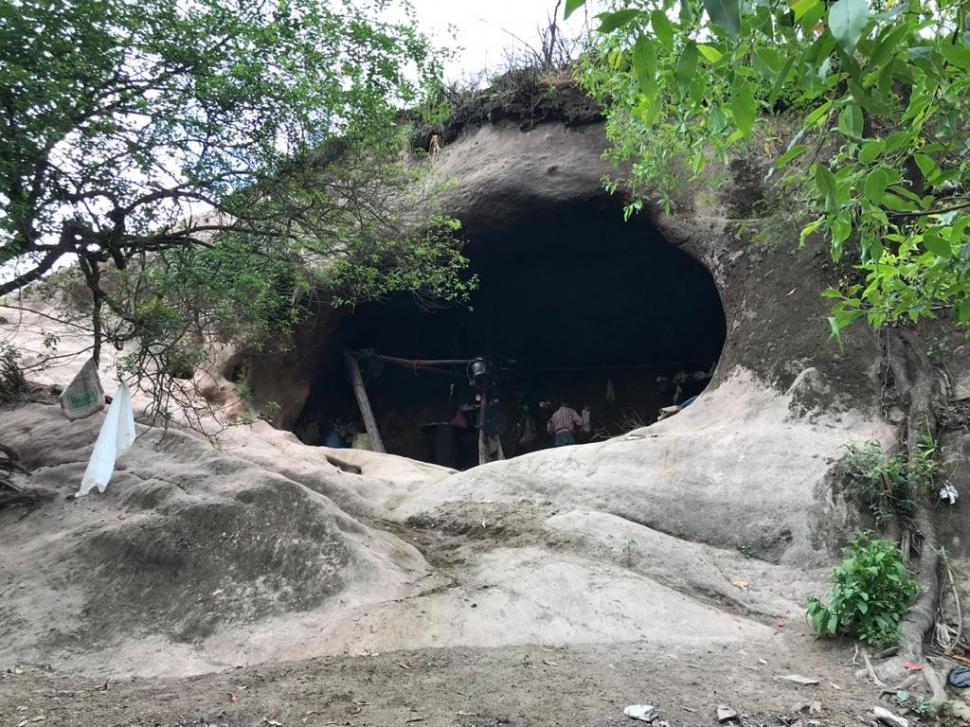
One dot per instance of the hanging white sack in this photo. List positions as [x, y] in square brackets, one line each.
[116, 436]
[84, 395]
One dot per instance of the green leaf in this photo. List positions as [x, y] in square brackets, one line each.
[871, 103]
[963, 311]
[725, 14]
[847, 20]
[908, 194]
[812, 17]
[896, 203]
[801, 7]
[927, 166]
[841, 229]
[780, 80]
[875, 185]
[743, 105]
[885, 81]
[770, 58]
[686, 12]
[887, 45]
[645, 65]
[662, 28]
[686, 66]
[710, 53]
[958, 55]
[936, 244]
[790, 154]
[851, 121]
[808, 230]
[613, 21]
[870, 151]
[826, 185]
[833, 624]
[572, 6]
[897, 141]
[836, 323]
[817, 114]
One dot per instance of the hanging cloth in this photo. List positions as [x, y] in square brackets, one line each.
[610, 391]
[116, 436]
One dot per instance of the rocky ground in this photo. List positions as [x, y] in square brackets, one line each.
[269, 583]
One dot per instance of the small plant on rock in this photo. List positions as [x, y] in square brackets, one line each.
[628, 552]
[885, 483]
[870, 596]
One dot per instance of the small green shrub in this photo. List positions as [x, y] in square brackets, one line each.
[886, 483]
[12, 380]
[870, 596]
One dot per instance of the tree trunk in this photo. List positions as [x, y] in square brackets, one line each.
[919, 386]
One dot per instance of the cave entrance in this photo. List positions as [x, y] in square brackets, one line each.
[573, 304]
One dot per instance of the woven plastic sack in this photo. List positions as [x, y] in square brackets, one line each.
[84, 395]
[116, 436]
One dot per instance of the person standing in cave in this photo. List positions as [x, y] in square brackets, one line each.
[563, 424]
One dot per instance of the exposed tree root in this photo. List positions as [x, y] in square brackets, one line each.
[938, 696]
[958, 636]
[872, 672]
[918, 384]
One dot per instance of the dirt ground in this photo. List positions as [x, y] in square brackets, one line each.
[467, 687]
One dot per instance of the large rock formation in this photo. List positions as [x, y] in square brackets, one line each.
[270, 549]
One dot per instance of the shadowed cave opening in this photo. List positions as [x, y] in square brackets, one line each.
[573, 303]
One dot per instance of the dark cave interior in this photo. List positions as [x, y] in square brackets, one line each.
[573, 303]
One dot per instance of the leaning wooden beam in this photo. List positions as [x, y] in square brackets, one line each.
[410, 362]
[366, 413]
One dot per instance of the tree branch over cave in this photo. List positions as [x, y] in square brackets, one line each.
[210, 164]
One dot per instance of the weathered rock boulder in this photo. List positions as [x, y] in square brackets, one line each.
[192, 554]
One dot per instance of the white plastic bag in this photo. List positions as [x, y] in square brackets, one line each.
[116, 436]
[84, 395]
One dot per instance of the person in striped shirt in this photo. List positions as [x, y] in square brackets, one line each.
[562, 425]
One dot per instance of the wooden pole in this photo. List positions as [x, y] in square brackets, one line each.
[366, 413]
[482, 451]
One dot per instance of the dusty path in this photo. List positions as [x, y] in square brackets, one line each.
[463, 687]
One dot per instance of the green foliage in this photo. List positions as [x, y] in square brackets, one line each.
[213, 163]
[272, 409]
[12, 380]
[123, 118]
[886, 484]
[937, 349]
[870, 596]
[876, 93]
